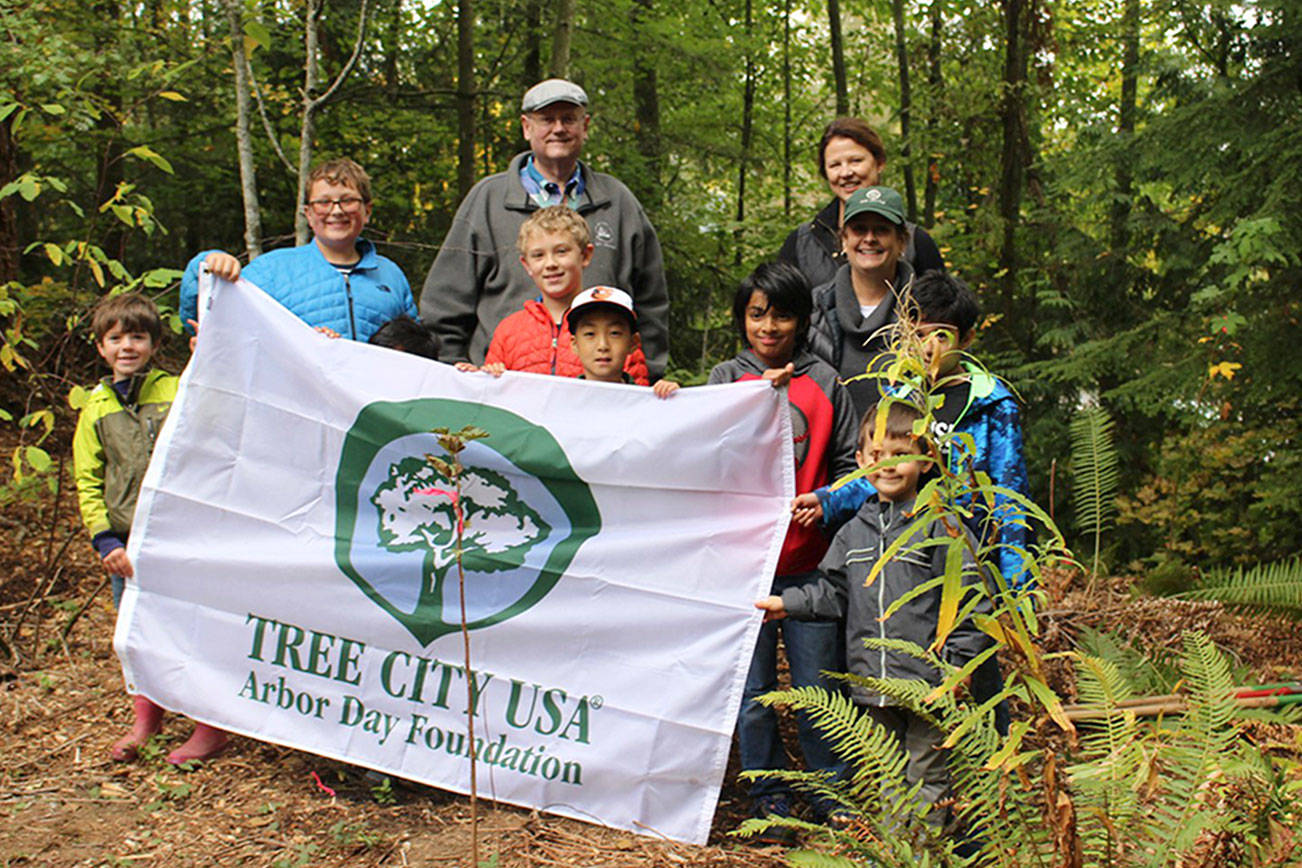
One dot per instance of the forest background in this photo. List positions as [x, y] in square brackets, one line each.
[1120, 181]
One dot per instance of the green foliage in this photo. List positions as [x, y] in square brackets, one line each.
[1222, 493]
[1274, 588]
[358, 835]
[1095, 473]
[121, 129]
[383, 792]
[1130, 791]
[1144, 671]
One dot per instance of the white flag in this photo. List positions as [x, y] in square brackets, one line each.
[295, 548]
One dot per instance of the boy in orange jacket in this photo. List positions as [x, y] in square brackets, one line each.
[555, 246]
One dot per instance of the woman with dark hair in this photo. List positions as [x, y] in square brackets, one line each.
[850, 157]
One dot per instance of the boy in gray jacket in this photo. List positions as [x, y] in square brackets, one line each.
[842, 592]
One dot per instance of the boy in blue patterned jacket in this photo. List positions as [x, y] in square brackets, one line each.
[977, 404]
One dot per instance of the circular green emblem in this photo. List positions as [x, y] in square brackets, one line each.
[525, 514]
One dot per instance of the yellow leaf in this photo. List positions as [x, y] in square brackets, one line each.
[1052, 704]
[172, 95]
[1222, 369]
[950, 593]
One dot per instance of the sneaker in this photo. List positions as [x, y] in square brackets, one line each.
[777, 805]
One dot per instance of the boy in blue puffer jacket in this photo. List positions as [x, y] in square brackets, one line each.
[337, 283]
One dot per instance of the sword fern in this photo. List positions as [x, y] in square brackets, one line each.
[1094, 475]
[1130, 792]
[1274, 588]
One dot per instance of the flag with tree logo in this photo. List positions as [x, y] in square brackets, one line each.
[302, 554]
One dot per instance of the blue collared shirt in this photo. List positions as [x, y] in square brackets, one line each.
[545, 193]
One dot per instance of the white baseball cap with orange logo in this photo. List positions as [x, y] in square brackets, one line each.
[607, 296]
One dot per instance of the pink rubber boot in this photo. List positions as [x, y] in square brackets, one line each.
[204, 744]
[149, 720]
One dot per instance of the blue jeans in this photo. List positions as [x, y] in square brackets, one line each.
[812, 647]
[117, 584]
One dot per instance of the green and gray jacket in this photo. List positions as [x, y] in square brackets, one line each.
[111, 449]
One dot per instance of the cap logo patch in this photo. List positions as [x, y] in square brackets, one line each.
[600, 293]
[873, 195]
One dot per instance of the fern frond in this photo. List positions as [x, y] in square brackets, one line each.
[868, 748]
[1200, 754]
[1115, 764]
[1274, 588]
[1095, 473]
[1144, 673]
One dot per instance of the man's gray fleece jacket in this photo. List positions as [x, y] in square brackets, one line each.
[840, 593]
[477, 279]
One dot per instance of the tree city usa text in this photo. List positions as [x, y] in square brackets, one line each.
[549, 712]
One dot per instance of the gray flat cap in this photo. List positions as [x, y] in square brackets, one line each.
[544, 93]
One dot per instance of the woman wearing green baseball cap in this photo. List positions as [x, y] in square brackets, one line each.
[852, 311]
[851, 156]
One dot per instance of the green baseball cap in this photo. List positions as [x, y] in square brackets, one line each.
[875, 200]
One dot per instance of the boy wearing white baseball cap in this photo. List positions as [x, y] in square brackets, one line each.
[603, 332]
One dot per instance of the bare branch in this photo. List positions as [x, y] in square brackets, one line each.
[352, 60]
[266, 123]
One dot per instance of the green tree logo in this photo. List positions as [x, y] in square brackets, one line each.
[525, 514]
[416, 513]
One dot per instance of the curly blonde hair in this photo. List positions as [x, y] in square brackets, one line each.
[558, 219]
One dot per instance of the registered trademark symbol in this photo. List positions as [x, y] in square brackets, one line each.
[595, 701]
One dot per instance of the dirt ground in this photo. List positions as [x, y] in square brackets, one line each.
[64, 802]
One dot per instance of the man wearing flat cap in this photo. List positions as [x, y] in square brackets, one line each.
[477, 278]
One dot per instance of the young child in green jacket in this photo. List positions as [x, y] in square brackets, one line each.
[110, 452]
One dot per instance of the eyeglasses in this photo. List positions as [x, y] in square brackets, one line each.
[348, 205]
[569, 120]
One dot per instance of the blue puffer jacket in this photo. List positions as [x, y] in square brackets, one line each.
[302, 280]
[992, 420]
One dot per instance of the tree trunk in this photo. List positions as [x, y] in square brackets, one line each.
[906, 108]
[936, 84]
[561, 38]
[465, 96]
[392, 51]
[243, 137]
[747, 126]
[110, 171]
[531, 70]
[1120, 234]
[313, 103]
[10, 241]
[838, 58]
[307, 129]
[646, 108]
[1012, 111]
[786, 109]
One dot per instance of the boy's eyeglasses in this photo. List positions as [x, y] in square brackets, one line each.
[348, 205]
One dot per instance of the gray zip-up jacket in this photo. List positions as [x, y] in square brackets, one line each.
[477, 279]
[859, 544]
